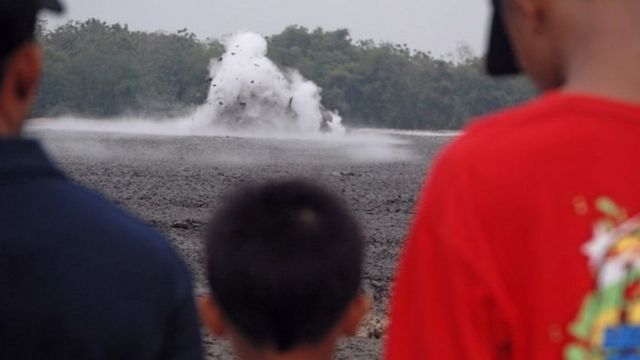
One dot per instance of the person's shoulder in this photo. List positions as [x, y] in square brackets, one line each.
[94, 217]
[522, 118]
[510, 128]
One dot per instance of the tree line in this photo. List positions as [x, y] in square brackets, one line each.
[95, 69]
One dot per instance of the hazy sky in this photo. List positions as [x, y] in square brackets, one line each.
[429, 25]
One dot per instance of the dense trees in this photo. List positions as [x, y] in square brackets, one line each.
[390, 85]
[95, 69]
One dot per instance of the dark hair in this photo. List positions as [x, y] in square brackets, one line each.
[284, 262]
[17, 26]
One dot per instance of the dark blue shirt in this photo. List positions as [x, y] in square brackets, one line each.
[81, 279]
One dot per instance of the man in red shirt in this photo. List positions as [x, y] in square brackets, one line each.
[526, 243]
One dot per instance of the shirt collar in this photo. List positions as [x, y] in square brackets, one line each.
[24, 156]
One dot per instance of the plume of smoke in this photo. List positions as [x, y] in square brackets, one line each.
[250, 93]
[249, 96]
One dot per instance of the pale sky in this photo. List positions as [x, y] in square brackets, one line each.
[428, 25]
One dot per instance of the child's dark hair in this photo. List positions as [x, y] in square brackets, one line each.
[284, 262]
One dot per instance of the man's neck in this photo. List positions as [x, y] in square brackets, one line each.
[323, 351]
[7, 127]
[292, 355]
[616, 79]
[607, 64]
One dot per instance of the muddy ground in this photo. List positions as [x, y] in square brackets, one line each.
[174, 183]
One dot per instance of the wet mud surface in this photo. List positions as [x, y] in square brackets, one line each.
[174, 183]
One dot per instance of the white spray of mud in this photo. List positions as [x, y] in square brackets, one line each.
[249, 96]
[249, 92]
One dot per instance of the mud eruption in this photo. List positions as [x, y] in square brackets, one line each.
[249, 93]
[249, 96]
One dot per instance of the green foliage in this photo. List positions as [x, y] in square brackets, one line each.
[95, 69]
[388, 85]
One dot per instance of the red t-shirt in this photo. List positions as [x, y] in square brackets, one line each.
[526, 243]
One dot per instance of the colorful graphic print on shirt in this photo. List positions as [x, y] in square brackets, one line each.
[608, 324]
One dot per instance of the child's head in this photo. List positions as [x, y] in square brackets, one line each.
[284, 266]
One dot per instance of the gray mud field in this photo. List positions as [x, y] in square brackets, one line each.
[174, 183]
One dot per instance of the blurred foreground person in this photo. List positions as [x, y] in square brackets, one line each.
[526, 243]
[79, 279]
[284, 266]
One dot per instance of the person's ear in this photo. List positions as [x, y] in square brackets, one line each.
[211, 315]
[19, 86]
[358, 309]
[25, 69]
[534, 12]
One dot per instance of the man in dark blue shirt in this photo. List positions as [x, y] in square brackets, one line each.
[79, 279]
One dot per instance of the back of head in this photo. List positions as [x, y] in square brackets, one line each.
[18, 22]
[20, 59]
[285, 260]
[590, 45]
